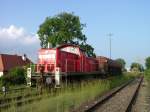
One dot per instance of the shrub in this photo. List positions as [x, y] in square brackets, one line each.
[18, 75]
[147, 63]
[14, 76]
[147, 74]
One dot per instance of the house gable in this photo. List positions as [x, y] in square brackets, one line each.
[11, 61]
[1, 64]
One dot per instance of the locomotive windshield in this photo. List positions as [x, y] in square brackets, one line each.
[47, 55]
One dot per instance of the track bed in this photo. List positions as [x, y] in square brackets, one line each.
[121, 100]
[118, 100]
[142, 103]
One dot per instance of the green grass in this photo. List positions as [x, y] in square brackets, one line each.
[16, 93]
[72, 96]
[147, 74]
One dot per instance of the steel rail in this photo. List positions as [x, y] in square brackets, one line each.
[94, 105]
[102, 101]
[129, 108]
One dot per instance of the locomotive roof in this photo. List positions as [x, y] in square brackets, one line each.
[64, 45]
[102, 57]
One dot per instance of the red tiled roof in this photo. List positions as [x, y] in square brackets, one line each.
[8, 62]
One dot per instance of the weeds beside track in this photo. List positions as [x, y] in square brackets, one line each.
[72, 96]
[107, 102]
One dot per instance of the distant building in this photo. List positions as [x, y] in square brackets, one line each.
[8, 62]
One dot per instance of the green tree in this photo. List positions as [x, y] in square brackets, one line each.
[89, 50]
[61, 29]
[122, 62]
[147, 63]
[137, 67]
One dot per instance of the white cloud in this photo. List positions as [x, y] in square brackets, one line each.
[15, 40]
[18, 33]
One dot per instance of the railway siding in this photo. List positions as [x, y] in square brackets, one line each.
[121, 100]
[118, 100]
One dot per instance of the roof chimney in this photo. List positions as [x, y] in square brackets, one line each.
[24, 57]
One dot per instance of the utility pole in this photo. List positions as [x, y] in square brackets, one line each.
[110, 35]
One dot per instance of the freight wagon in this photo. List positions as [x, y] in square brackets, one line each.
[108, 66]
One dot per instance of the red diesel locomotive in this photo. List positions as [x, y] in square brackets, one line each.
[70, 60]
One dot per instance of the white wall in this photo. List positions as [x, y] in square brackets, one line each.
[1, 74]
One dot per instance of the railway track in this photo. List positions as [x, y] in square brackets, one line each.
[119, 99]
[95, 106]
[22, 99]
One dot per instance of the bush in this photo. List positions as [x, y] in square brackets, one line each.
[14, 76]
[5, 80]
[18, 76]
[147, 74]
[147, 63]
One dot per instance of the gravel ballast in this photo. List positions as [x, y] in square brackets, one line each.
[142, 103]
[120, 101]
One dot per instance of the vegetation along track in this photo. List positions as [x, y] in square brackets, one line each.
[29, 97]
[119, 99]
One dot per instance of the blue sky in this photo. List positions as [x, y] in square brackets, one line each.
[128, 20]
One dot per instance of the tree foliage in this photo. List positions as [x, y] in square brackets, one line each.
[61, 29]
[122, 62]
[89, 50]
[136, 67]
[147, 63]
[147, 74]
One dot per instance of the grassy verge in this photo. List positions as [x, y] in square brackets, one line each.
[73, 96]
[17, 91]
[147, 75]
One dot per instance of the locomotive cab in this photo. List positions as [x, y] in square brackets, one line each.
[47, 59]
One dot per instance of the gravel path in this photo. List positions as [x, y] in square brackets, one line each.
[120, 101]
[143, 100]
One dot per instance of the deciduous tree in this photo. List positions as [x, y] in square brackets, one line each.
[137, 67]
[64, 28]
[60, 29]
[147, 63]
